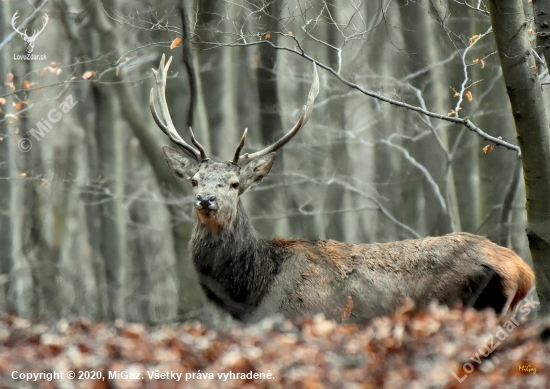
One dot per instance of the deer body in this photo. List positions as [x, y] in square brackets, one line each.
[251, 276]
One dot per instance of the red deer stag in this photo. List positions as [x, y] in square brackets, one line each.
[250, 275]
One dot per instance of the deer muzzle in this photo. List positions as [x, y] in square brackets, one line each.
[206, 202]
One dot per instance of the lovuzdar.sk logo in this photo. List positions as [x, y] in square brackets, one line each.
[30, 40]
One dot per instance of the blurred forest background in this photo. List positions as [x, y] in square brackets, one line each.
[92, 222]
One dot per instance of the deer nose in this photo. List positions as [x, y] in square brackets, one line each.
[206, 201]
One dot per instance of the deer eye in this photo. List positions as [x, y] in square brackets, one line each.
[234, 185]
[194, 183]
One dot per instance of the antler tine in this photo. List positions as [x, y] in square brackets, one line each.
[306, 112]
[240, 147]
[197, 144]
[164, 121]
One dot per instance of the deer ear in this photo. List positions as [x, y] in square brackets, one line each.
[182, 168]
[255, 170]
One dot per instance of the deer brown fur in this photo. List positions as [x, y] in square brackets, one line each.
[251, 276]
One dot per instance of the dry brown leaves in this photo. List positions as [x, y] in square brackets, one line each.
[407, 350]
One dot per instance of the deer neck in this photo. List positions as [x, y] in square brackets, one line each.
[235, 265]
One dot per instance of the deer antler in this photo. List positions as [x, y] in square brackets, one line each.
[240, 147]
[306, 112]
[164, 121]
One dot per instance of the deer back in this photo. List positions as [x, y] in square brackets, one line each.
[318, 276]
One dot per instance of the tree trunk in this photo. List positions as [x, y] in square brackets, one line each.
[111, 208]
[7, 303]
[524, 90]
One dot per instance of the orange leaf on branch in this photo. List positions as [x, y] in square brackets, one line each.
[472, 40]
[488, 148]
[11, 116]
[20, 105]
[88, 74]
[453, 112]
[479, 61]
[175, 43]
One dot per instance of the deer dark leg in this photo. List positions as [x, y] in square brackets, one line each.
[487, 291]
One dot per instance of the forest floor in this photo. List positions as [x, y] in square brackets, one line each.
[436, 348]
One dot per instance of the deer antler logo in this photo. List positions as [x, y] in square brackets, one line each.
[29, 40]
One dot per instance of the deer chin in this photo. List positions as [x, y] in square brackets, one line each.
[207, 217]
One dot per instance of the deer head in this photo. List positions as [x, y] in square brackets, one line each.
[29, 40]
[217, 186]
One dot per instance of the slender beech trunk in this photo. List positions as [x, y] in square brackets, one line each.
[271, 126]
[532, 127]
[337, 157]
[109, 140]
[7, 303]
